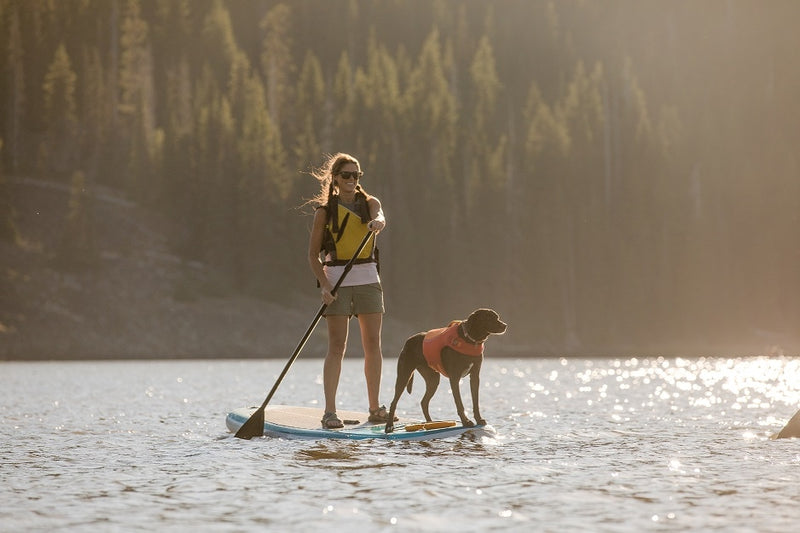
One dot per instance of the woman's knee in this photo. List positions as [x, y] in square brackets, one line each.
[336, 350]
[337, 335]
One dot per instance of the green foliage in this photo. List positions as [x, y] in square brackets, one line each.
[135, 65]
[343, 97]
[15, 90]
[60, 113]
[276, 59]
[599, 155]
[218, 41]
[59, 89]
[310, 99]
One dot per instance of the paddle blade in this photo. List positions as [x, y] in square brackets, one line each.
[254, 427]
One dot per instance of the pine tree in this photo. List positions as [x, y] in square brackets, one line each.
[15, 90]
[219, 46]
[179, 131]
[135, 60]
[276, 60]
[138, 137]
[60, 112]
[431, 111]
[483, 137]
[264, 185]
[430, 118]
[343, 97]
[310, 102]
[8, 231]
[379, 119]
[95, 112]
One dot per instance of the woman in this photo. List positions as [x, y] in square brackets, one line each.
[344, 214]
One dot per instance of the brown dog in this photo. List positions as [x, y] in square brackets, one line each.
[454, 352]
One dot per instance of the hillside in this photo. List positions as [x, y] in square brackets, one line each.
[139, 299]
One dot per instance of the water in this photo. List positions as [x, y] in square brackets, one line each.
[579, 445]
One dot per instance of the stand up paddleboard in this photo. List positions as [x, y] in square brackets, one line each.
[304, 423]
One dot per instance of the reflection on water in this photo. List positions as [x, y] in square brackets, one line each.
[589, 444]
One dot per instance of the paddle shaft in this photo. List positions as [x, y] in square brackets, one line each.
[248, 429]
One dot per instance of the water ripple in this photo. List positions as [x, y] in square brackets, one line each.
[598, 444]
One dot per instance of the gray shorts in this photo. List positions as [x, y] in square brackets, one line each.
[357, 300]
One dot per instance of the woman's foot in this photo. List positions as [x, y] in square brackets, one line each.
[331, 421]
[379, 415]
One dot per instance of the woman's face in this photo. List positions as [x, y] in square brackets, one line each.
[347, 185]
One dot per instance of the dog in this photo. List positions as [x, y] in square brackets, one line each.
[453, 352]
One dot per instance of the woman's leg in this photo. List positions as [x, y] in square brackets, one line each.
[337, 343]
[370, 325]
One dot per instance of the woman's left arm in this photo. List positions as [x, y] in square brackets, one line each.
[378, 221]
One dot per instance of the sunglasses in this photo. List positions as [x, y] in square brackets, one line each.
[355, 174]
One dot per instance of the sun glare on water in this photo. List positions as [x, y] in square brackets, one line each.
[762, 390]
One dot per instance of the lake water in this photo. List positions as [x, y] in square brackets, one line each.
[577, 445]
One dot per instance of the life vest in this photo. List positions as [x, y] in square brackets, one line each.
[436, 339]
[344, 231]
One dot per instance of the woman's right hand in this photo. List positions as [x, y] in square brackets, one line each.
[327, 297]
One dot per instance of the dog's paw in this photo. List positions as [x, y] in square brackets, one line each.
[468, 423]
[481, 422]
[389, 427]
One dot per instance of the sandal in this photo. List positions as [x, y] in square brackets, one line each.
[380, 415]
[331, 421]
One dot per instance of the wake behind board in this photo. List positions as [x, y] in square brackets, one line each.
[304, 423]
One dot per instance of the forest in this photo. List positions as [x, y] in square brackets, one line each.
[606, 174]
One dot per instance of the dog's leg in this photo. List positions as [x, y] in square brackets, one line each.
[404, 376]
[431, 384]
[454, 384]
[475, 387]
[405, 373]
[457, 366]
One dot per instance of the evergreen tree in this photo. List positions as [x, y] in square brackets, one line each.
[60, 146]
[483, 137]
[15, 89]
[223, 190]
[430, 116]
[8, 230]
[379, 117]
[264, 183]
[135, 60]
[276, 61]
[137, 136]
[310, 101]
[95, 112]
[219, 46]
[343, 97]
[179, 130]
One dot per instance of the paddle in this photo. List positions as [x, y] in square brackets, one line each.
[254, 427]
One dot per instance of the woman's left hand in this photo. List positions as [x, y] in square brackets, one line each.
[376, 225]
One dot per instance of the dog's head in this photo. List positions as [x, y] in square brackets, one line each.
[484, 322]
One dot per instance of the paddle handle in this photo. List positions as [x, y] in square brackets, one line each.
[302, 343]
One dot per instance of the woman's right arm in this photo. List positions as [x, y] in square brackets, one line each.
[314, 246]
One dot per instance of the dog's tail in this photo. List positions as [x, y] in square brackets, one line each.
[410, 383]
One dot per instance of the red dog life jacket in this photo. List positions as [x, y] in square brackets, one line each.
[436, 339]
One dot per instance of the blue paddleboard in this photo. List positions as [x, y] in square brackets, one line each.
[304, 423]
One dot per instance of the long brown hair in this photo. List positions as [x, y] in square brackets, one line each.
[324, 174]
